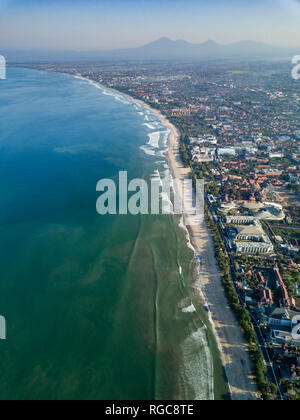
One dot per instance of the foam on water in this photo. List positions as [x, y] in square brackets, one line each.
[165, 139]
[155, 177]
[118, 97]
[152, 122]
[198, 286]
[188, 239]
[198, 365]
[154, 139]
[189, 309]
[167, 205]
[148, 150]
[198, 360]
[150, 126]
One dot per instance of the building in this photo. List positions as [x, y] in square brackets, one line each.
[254, 247]
[250, 238]
[227, 151]
[276, 155]
[227, 207]
[265, 211]
[250, 233]
[240, 220]
[280, 317]
[282, 337]
[266, 296]
[286, 300]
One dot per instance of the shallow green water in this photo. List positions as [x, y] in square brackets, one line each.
[93, 304]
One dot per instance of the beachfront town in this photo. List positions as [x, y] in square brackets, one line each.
[240, 131]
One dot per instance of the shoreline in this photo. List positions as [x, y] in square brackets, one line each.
[231, 342]
[208, 286]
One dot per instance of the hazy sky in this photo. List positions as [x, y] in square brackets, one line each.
[106, 24]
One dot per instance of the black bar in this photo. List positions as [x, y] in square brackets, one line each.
[140, 409]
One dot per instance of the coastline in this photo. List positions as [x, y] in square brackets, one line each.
[231, 342]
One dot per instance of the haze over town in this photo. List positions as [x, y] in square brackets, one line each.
[104, 24]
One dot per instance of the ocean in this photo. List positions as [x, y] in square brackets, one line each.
[97, 307]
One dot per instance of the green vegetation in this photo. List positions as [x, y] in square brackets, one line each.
[184, 154]
[291, 279]
[295, 188]
[213, 189]
[287, 234]
[192, 125]
[204, 171]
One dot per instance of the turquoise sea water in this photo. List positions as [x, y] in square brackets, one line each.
[95, 305]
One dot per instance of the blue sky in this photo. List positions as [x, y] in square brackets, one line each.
[105, 24]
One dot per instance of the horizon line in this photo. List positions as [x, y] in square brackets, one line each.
[146, 44]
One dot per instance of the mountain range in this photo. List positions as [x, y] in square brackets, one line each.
[162, 49]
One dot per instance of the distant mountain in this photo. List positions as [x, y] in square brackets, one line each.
[162, 49]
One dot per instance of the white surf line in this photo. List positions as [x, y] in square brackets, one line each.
[151, 118]
[197, 358]
[147, 150]
[199, 288]
[192, 308]
[198, 285]
[188, 239]
[198, 336]
[150, 126]
[189, 309]
[165, 140]
[210, 318]
[119, 96]
[190, 246]
[156, 177]
[154, 139]
[140, 106]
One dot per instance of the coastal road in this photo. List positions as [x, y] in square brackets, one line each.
[235, 353]
[265, 351]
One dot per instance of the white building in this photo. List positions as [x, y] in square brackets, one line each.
[276, 155]
[254, 247]
[242, 220]
[250, 233]
[227, 151]
[251, 237]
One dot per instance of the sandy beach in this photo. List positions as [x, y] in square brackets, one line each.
[232, 344]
